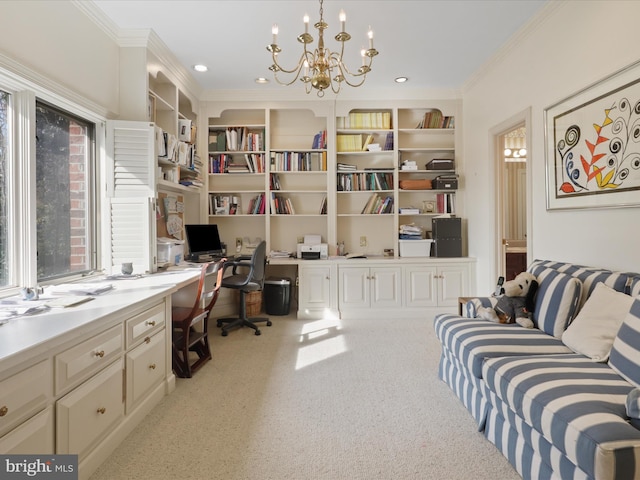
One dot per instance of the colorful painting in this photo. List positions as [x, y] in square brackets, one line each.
[593, 146]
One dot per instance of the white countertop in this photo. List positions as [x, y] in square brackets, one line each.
[58, 325]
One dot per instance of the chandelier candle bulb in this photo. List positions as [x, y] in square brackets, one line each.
[370, 33]
[305, 19]
[274, 31]
[343, 20]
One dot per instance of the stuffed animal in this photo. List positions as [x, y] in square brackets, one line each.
[516, 302]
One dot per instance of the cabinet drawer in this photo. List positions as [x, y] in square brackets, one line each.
[79, 362]
[24, 393]
[145, 367]
[144, 324]
[86, 414]
[35, 436]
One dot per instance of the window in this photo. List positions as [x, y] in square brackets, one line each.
[4, 187]
[64, 193]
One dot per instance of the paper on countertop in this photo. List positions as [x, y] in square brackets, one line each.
[80, 288]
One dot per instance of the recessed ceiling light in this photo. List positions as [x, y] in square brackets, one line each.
[262, 80]
[401, 79]
[200, 68]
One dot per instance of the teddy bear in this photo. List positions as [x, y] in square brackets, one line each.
[516, 302]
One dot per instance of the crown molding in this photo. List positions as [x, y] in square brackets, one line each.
[526, 30]
[98, 17]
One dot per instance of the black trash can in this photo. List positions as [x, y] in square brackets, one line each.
[277, 296]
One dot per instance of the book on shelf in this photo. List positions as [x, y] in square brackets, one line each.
[355, 120]
[257, 205]
[349, 142]
[445, 203]
[237, 168]
[274, 181]
[319, 140]
[378, 205]
[287, 161]
[409, 211]
[388, 143]
[281, 205]
[435, 119]
[345, 167]
[217, 141]
[323, 205]
[367, 181]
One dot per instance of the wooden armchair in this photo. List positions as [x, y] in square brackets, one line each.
[190, 324]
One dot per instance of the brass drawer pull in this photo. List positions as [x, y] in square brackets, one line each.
[102, 410]
[147, 339]
[4, 410]
[100, 354]
[151, 323]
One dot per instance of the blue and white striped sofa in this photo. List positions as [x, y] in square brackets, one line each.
[553, 413]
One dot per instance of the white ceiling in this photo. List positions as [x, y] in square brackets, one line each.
[437, 44]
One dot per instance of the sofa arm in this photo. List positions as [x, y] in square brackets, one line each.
[470, 309]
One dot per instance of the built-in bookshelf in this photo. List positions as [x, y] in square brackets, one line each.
[335, 171]
[271, 166]
[427, 174]
[180, 167]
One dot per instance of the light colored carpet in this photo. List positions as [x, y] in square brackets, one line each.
[324, 399]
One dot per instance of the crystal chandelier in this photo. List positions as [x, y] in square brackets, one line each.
[322, 68]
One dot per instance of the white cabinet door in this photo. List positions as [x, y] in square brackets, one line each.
[452, 283]
[421, 286]
[354, 287]
[385, 284]
[316, 289]
[366, 287]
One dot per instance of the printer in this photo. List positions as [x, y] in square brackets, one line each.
[313, 248]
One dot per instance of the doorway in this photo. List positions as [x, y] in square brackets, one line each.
[511, 159]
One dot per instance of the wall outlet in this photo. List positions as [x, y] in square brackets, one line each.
[363, 241]
[300, 239]
[238, 244]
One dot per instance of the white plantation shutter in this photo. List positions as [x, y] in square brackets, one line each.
[132, 159]
[131, 191]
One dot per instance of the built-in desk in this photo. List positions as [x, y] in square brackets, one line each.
[79, 379]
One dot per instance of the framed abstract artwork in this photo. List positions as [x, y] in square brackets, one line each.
[592, 144]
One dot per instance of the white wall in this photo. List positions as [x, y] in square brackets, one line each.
[570, 46]
[59, 42]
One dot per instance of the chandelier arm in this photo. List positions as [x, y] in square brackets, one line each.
[344, 71]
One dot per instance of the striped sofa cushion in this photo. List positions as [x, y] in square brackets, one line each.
[625, 353]
[576, 404]
[557, 300]
[471, 340]
[589, 276]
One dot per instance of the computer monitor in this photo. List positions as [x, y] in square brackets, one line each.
[203, 241]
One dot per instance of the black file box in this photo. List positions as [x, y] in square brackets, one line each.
[447, 237]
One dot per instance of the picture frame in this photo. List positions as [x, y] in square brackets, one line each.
[592, 142]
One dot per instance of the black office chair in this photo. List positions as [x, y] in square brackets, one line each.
[247, 275]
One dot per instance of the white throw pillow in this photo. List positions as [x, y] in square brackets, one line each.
[595, 327]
